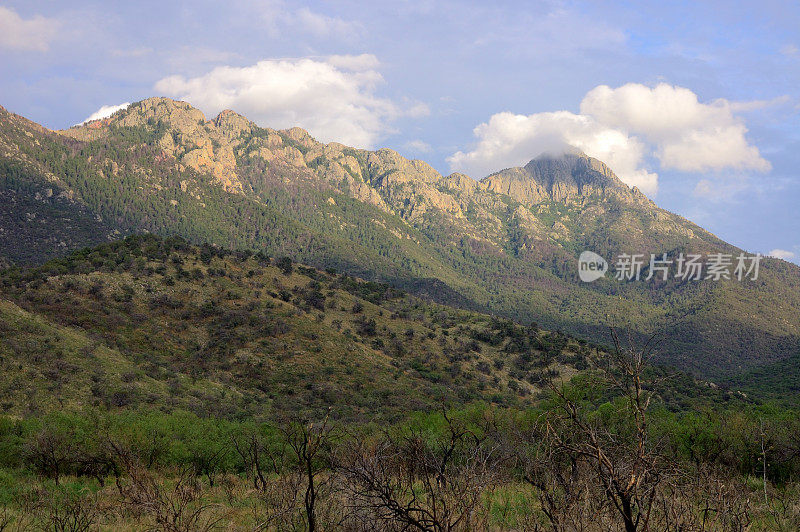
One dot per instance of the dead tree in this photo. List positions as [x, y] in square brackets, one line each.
[306, 443]
[253, 451]
[627, 464]
[405, 480]
[178, 508]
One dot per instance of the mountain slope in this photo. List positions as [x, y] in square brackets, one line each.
[147, 321]
[506, 244]
[40, 217]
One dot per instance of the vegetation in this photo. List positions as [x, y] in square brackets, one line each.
[597, 453]
[151, 321]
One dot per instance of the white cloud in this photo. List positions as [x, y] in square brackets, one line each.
[508, 140]
[689, 136]
[34, 33]
[757, 105]
[418, 146]
[354, 62]
[132, 52]
[281, 18]
[324, 26]
[705, 189]
[721, 189]
[539, 30]
[624, 127]
[333, 99]
[781, 254]
[105, 111]
[790, 50]
[416, 109]
[198, 57]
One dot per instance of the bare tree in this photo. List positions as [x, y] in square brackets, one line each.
[6, 518]
[253, 450]
[627, 465]
[563, 481]
[408, 481]
[293, 475]
[52, 452]
[311, 447]
[64, 510]
[178, 508]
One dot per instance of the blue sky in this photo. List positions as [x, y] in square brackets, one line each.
[696, 103]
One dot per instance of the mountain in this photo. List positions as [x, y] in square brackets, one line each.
[507, 244]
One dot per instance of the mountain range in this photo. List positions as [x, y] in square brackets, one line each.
[507, 244]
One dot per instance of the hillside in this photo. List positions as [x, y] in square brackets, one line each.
[506, 244]
[40, 218]
[158, 323]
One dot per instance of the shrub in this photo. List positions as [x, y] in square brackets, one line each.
[285, 265]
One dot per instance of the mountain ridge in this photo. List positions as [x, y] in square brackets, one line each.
[209, 155]
[182, 116]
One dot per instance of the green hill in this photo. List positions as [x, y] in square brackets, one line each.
[162, 324]
[152, 383]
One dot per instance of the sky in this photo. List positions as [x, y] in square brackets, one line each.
[697, 104]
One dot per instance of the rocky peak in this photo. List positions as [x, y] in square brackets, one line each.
[191, 139]
[568, 176]
[175, 114]
[389, 167]
[301, 137]
[574, 169]
[232, 125]
[460, 183]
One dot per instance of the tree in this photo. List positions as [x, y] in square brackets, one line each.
[623, 460]
[311, 447]
[53, 450]
[291, 474]
[419, 481]
[285, 265]
[176, 509]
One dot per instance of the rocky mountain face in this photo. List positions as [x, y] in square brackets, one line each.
[506, 244]
[563, 177]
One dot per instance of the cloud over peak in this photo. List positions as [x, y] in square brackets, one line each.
[105, 111]
[624, 127]
[688, 135]
[509, 139]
